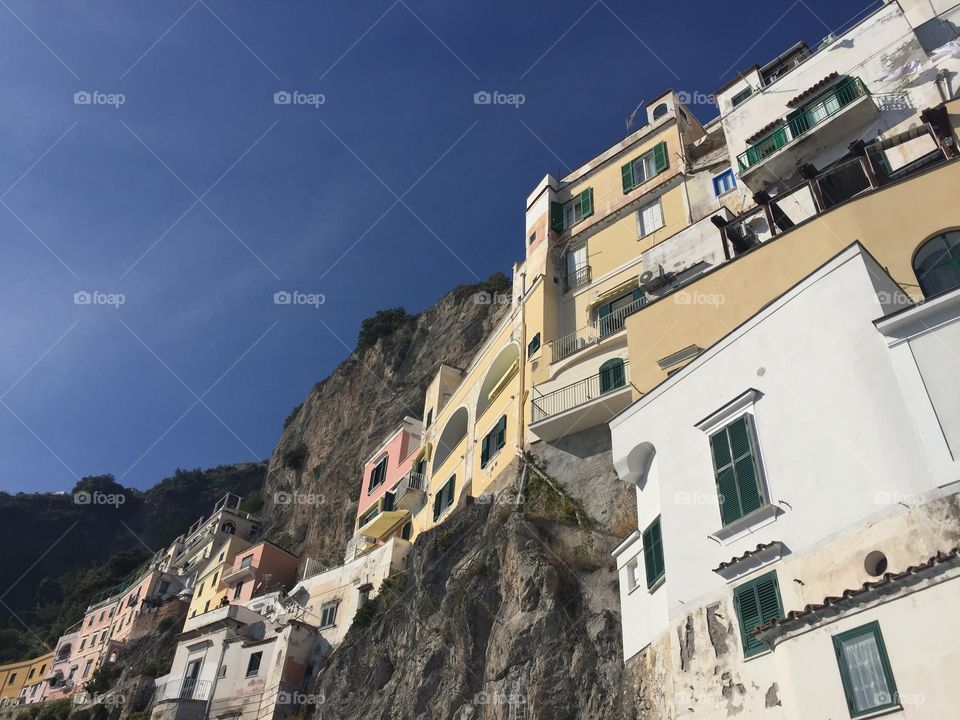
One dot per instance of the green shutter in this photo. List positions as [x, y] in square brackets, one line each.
[626, 174]
[556, 216]
[586, 203]
[451, 486]
[436, 503]
[736, 470]
[502, 432]
[653, 553]
[485, 451]
[660, 159]
[757, 602]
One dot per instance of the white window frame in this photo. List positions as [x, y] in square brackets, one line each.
[642, 162]
[333, 605]
[642, 230]
[574, 206]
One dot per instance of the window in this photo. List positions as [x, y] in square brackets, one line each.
[245, 562]
[937, 264]
[30, 674]
[444, 497]
[632, 567]
[213, 580]
[534, 345]
[103, 615]
[229, 528]
[736, 468]
[161, 589]
[253, 665]
[756, 602]
[865, 670]
[206, 606]
[103, 637]
[13, 676]
[429, 417]
[83, 641]
[407, 531]
[650, 218]
[378, 474]
[564, 216]
[653, 553]
[612, 375]
[200, 587]
[364, 591]
[493, 441]
[661, 110]
[724, 183]
[741, 96]
[328, 614]
[73, 671]
[639, 170]
[238, 588]
[578, 272]
[86, 669]
[533, 237]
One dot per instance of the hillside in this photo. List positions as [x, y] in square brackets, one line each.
[69, 552]
[319, 458]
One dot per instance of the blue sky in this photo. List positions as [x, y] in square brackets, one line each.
[198, 198]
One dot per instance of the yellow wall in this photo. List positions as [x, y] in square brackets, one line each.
[14, 676]
[213, 590]
[891, 223]
[504, 404]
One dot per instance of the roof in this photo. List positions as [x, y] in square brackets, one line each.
[747, 555]
[763, 131]
[813, 89]
[888, 580]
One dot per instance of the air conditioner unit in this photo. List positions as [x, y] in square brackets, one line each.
[651, 280]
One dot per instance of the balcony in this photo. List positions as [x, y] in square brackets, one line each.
[595, 332]
[238, 572]
[850, 98]
[183, 690]
[581, 405]
[410, 491]
[578, 278]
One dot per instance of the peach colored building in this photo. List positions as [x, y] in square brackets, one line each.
[263, 567]
[388, 464]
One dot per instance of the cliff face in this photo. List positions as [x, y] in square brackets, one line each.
[502, 613]
[314, 475]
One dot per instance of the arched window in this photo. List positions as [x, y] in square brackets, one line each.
[937, 264]
[661, 110]
[453, 433]
[229, 528]
[612, 375]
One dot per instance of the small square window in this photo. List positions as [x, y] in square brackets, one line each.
[328, 615]
[650, 218]
[865, 670]
[533, 237]
[724, 183]
[741, 96]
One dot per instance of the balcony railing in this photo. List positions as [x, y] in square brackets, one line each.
[184, 689]
[411, 481]
[578, 278]
[802, 121]
[594, 332]
[578, 393]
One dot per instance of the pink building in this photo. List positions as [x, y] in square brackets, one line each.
[388, 464]
[258, 569]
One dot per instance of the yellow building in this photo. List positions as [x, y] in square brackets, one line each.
[24, 677]
[209, 590]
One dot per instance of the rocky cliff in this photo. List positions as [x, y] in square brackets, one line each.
[314, 475]
[508, 610]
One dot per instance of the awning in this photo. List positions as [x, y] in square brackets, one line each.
[615, 292]
[504, 379]
[383, 523]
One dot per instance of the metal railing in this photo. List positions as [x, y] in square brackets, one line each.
[578, 278]
[184, 689]
[411, 481]
[581, 392]
[803, 120]
[593, 333]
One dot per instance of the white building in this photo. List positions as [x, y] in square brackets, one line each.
[806, 470]
[809, 104]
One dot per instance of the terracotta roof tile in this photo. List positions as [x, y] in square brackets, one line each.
[813, 89]
[887, 580]
[749, 553]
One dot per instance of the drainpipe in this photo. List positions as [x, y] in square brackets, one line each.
[216, 677]
[523, 355]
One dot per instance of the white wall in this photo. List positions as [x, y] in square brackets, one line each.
[833, 432]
